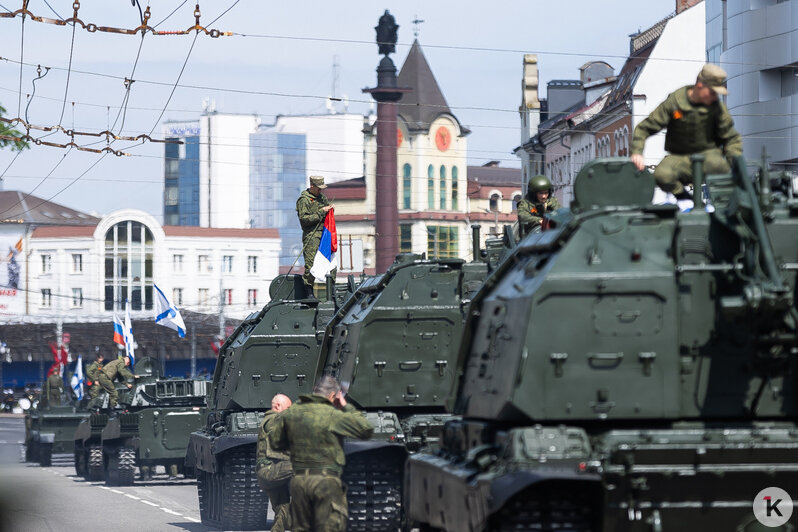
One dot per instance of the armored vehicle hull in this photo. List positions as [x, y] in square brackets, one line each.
[633, 369]
[50, 430]
[89, 461]
[154, 428]
[273, 351]
[393, 346]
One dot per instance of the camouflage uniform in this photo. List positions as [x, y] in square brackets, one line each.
[692, 129]
[311, 218]
[530, 214]
[92, 373]
[266, 457]
[55, 385]
[312, 431]
[108, 374]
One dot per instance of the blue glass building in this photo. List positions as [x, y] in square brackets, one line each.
[182, 179]
[277, 177]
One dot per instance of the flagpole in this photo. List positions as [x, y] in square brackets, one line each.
[193, 350]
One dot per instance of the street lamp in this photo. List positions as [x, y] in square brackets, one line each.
[5, 356]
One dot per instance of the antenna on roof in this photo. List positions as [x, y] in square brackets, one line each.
[416, 26]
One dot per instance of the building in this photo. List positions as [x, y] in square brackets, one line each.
[64, 266]
[754, 41]
[207, 178]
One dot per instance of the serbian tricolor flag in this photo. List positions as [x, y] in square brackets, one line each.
[119, 331]
[327, 256]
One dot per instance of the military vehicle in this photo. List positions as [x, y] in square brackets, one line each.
[89, 461]
[49, 429]
[393, 346]
[272, 351]
[153, 428]
[633, 369]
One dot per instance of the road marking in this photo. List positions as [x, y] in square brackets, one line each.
[103, 487]
[119, 492]
[167, 510]
[149, 503]
[193, 520]
[128, 495]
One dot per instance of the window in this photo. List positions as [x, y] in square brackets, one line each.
[47, 264]
[406, 186]
[202, 264]
[441, 242]
[252, 264]
[405, 238]
[177, 263]
[430, 187]
[77, 263]
[252, 297]
[454, 188]
[516, 199]
[46, 298]
[443, 187]
[177, 296]
[495, 200]
[77, 297]
[228, 296]
[171, 194]
[128, 259]
[202, 297]
[227, 264]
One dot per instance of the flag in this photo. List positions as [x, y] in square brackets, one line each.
[119, 331]
[166, 313]
[128, 334]
[77, 378]
[59, 359]
[326, 257]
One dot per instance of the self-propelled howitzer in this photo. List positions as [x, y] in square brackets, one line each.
[633, 369]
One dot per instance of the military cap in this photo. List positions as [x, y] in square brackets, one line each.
[713, 77]
[317, 181]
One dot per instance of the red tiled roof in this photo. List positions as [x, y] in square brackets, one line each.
[63, 231]
[211, 232]
[351, 189]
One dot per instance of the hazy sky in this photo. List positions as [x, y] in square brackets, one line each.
[280, 61]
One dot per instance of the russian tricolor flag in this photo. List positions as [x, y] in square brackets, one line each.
[327, 256]
[119, 331]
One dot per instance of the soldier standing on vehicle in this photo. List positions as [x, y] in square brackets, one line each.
[312, 431]
[92, 374]
[537, 202]
[274, 467]
[697, 122]
[110, 372]
[55, 386]
[311, 208]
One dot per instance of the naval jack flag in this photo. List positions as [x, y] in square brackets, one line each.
[77, 378]
[166, 313]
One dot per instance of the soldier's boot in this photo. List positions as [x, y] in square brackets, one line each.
[173, 472]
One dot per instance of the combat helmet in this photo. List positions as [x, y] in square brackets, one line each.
[539, 183]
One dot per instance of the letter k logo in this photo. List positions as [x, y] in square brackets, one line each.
[771, 506]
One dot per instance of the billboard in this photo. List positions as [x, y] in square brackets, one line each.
[11, 260]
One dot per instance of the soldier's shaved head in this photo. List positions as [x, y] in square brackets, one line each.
[280, 402]
[327, 385]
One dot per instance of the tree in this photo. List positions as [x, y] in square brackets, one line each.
[6, 130]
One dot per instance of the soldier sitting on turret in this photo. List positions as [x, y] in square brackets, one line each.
[112, 371]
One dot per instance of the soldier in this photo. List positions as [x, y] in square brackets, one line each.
[274, 468]
[92, 374]
[537, 202]
[110, 372]
[311, 208]
[697, 122]
[312, 432]
[55, 386]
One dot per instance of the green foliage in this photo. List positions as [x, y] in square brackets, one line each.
[5, 130]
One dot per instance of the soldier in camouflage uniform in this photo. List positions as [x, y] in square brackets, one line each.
[311, 208]
[110, 372]
[537, 202]
[55, 386]
[274, 467]
[312, 432]
[697, 122]
[92, 374]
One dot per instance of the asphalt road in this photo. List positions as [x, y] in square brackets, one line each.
[34, 498]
